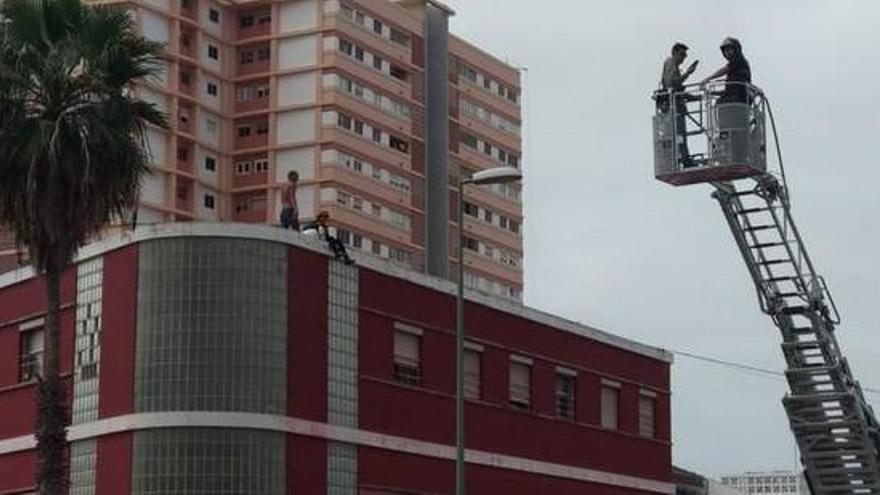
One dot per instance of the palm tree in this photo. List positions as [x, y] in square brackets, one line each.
[72, 153]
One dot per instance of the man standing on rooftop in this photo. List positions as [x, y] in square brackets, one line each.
[289, 211]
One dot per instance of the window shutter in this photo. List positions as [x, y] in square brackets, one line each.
[472, 374]
[520, 384]
[609, 407]
[646, 417]
[406, 347]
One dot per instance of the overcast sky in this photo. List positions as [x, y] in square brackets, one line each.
[608, 246]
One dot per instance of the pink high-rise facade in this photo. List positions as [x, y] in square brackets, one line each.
[373, 103]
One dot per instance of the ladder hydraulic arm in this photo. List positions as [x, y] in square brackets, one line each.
[835, 428]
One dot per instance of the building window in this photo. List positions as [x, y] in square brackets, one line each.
[468, 73]
[245, 58]
[209, 201]
[214, 15]
[212, 89]
[646, 414]
[213, 52]
[610, 402]
[471, 244]
[31, 350]
[346, 47]
[398, 73]
[243, 168]
[377, 26]
[566, 382]
[520, 383]
[245, 21]
[344, 121]
[399, 144]
[244, 131]
[468, 140]
[472, 373]
[398, 255]
[210, 164]
[399, 37]
[407, 367]
[211, 126]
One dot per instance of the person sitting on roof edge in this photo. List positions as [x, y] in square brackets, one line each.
[319, 227]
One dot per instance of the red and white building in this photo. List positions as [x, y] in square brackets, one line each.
[241, 359]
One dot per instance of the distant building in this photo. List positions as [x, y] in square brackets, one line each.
[690, 483]
[768, 483]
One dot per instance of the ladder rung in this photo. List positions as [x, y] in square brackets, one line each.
[762, 245]
[746, 211]
[774, 262]
[781, 279]
[810, 344]
[795, 310]
[760, 227]
[749, 192]
[790, 294]
[802, 330]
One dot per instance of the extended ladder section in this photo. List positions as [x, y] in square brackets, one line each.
[834, 426]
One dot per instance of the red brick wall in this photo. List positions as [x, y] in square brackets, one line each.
[492, 425]
[119, 323]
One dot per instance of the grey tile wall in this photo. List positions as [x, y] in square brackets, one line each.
[212, 326]
[211, 336]
[87, 344]
[342, 373]
[208, 461]
[83, 462]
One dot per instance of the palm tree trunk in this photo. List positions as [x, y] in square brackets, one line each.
[51, 429]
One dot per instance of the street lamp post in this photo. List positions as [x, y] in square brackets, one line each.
[496, 175]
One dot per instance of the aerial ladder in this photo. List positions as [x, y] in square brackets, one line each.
[834, 426]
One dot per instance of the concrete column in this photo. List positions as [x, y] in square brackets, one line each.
[437, 140]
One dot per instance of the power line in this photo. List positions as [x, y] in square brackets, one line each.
[747, 367]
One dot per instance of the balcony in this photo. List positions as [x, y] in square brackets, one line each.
[189, 9]
[250, 208]
[254, 59]
[187, 43]
[185, 158]
[186, 81]
[252, 96]
[254, 24]
[510, 275]
[251, 134]
[250, 171]
[185, 119]
[184, 195]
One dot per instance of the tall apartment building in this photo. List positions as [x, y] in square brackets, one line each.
[373, 103]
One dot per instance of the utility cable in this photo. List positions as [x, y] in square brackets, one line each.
[747, 367]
